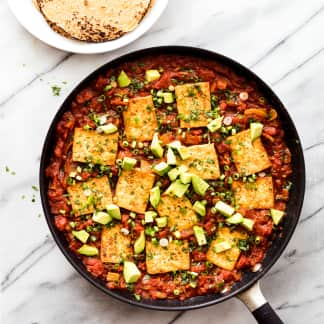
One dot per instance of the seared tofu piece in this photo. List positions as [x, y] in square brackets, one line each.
[258, 194]
[86, 197]
[178, 210]
[115, 246]
[90, 146]
[226, 259]
[203, 161]
[139, 119]
[174, 257]
[133, 190]
[193, 104]
[249, 157]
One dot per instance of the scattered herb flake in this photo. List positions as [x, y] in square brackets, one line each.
[56, 90]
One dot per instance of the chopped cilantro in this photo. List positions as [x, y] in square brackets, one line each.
[56, 90]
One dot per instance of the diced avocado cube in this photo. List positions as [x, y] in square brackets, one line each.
[161, 221]
[107, 129]
[174, 173]
[185, 177]
[224, 209]
[255, 130]
[139, 244]
[276, 215]
[82, 235]
[123, 80]
[177, 188]
[235, 219]
[88, 250]
[102, 218]
[168, 97]
[155, 196]
[114, 211]
[159, 93]
[175, 145]
[161, 168]
[171, 158]
[149, 216]
[199, 185]
[183, 152]
[128, 163]
[248, 223]
[199, 208]
[152, 75]
[200, 235]
[221, 247]
[131, 272]
[215, 124]
[156, 147]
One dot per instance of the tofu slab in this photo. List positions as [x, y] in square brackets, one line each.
[193, 104]
[203, 161]
[173, 258]
[115, 246]
[178, 210]
[133, 190]
[86, 197]
[139, 119]
[226, 259]
[90, 146]
[249, 157]
[258, 194]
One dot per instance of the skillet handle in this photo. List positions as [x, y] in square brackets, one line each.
[258, 306]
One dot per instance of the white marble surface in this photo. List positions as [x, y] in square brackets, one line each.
[282, 41]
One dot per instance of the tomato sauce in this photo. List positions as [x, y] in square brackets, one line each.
[104, 96]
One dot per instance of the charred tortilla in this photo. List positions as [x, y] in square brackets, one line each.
[93, 20]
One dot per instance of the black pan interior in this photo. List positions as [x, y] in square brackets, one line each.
[293, 208]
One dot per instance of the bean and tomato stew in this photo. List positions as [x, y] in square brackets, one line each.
[169, 177]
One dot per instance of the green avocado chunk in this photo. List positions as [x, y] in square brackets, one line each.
[107, 129]
[215, 124]
[235, 219]
[171, 158]
[156, 147]
[177, 188]
[199, 185]
[123, 80]
[256, 130]
[81, 235]
[248, 223]
[101, 217]
[161, 221]
[276, 215]
[155, 195]
[199, 208]
[139, 244]
[131, 272]
[224, 208]
[221, 247]
[200, 235]
[161, 168]
[128, 163]
[114, 211]
[88, 250]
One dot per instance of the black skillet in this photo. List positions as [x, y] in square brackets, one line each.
[246, 290]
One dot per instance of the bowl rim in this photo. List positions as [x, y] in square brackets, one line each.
[55, 40]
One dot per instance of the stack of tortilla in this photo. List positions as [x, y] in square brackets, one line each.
[93, 20]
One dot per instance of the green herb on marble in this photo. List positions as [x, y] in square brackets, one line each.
[56, 90]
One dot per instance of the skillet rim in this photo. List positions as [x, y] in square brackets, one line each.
[191, 303]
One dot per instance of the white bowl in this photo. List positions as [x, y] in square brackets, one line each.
[34, 22]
